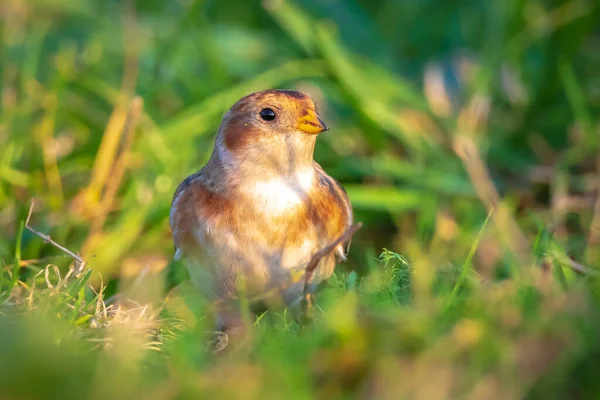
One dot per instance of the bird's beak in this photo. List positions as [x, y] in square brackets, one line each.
[311, 123]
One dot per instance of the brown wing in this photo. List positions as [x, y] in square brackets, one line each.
[196, 203]
[339, 199]
[184, 208]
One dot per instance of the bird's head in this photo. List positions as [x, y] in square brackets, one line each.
[277, 125]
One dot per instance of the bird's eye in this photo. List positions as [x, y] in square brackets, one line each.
[267, 114]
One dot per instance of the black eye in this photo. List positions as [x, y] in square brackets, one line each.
[267, 114]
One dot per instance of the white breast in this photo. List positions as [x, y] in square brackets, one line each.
[281, 194]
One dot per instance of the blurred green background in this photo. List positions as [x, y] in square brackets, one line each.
[400, 82]
[442, 113]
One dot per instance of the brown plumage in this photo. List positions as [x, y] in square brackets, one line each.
[261, 206]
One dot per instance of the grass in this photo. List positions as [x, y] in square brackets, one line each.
[465, 134]
[376, 336]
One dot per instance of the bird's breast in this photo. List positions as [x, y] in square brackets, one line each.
[280, 195]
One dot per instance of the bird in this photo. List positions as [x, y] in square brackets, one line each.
[249, 221]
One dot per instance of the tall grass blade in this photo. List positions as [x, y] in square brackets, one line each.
[466, 267]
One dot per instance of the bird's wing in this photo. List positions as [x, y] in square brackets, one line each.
[176, 271]
[187, 200]
[338, 195]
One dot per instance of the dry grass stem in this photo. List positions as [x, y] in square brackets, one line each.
[79, 263]
[314, 261]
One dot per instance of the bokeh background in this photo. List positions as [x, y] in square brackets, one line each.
[442, 113]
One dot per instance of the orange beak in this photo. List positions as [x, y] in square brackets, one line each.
[311, 123]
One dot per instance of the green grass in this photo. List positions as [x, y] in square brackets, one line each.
[376, 336]
[466, 134]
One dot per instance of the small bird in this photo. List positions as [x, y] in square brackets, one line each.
[249, 221]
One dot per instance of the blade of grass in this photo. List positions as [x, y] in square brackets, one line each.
[294, 22]
[80, 283]
[383, 198]
[17, 265]
[466, 267]
[77, 305]
[2, 267]
[577, 101]
[560, 274]
[540, 246]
